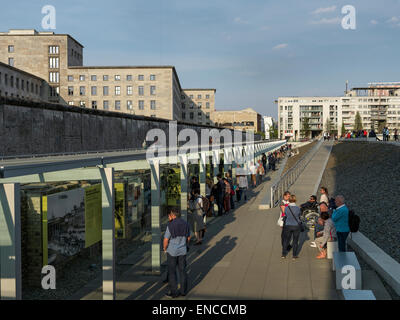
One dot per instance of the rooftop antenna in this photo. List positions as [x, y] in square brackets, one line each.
[347, 86]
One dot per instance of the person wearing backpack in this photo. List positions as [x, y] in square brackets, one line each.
[196, 217]
[340, 218]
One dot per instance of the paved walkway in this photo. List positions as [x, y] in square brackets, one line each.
[242, 257]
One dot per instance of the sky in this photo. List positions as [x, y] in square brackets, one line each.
[251, 51]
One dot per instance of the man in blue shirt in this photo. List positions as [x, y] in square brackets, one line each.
[176, 240]
[340, 217]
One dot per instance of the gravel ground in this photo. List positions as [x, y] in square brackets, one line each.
[368, 176]
[293, 160]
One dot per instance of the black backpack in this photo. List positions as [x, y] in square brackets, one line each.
[354, 221]
[332, 204]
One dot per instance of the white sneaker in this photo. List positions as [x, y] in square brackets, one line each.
[313, 245]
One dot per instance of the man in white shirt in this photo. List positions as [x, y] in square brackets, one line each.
[253, 172]
[241, 176]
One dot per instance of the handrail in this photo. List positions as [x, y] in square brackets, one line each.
[279, 187]
[134, 150]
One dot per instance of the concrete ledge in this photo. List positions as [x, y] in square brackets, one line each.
[385, 265]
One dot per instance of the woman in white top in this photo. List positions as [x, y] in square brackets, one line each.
[324, 195]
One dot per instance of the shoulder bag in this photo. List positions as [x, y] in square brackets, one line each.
[302, 229]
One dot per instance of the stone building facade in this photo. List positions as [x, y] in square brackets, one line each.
[246, 119]
[198, 105]
[15, 83]
[153, 91]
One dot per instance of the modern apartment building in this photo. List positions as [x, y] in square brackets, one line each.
[267, 124]
[378, 105]
[198, 105]
[142, 90]
[22, 85]
[246, 119]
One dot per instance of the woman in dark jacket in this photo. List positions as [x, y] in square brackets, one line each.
[291, 228]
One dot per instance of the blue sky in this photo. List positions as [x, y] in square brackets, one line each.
[251, 51]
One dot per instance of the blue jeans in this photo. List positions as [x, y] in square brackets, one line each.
[342, 236]
[179, 261]
[242, 193]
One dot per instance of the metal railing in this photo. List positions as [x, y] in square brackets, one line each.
[282, 185]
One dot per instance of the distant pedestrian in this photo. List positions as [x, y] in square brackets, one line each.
[227, 196]
[194, 184]
[340, 217]
[241, 176]
[260, 172]
[232, 189]
[196, 216]
[396, 137]
[264, 162]
[253, 172]
[175, 244]
[220, 194]
[324, 195]
[291, 228]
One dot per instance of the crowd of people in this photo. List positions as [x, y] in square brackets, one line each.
[332, 223]
[372, 134]
[220, 199]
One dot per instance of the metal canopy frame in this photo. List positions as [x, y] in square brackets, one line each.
[100, 167]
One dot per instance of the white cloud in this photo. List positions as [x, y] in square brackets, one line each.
[324, 10]
[336, 20]
[393, 20]
[226, 36]
[374, 22]
[239, 20]
[280, 46]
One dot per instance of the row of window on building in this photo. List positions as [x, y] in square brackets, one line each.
[199, 105]
[191, 115]
[199, 96]
[106, 91]
[19, 83]
[117, 104]
[117, 77]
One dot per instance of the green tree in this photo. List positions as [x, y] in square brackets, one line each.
[273, 133]
[343, 130]
[357, 122]
[261, 133]
[305, 127]
[328, 125]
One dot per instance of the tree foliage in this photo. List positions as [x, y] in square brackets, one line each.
[305, 127]
[357, 122]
